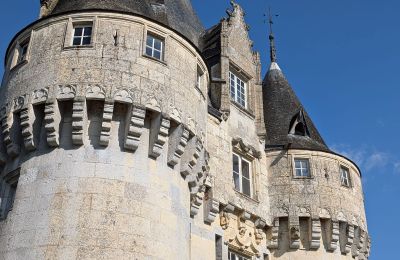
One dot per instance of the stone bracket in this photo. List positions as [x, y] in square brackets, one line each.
[190, 156]
[108, 112]
[177, 143]
[350, 238]
[12, 148]
[134, 128]
[334, 236]
[315, 233]
[158, 135]
[27, 117]
[78, 117]
[274, 242]
[52, 121]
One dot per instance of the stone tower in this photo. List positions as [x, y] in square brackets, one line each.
[128, 131]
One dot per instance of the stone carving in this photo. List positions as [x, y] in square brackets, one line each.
[40, 96]
[27, 117]
[52, 121]
[196, 201]
[158, 135]
[106, 124]
[78, 116]
[241, 146]
[123, 96]
[324, 214]
[211, 208]
[66, 92]
[175, 114]
[177, 143]
[152, 104]
[303, 211]
[341, 217]
[19, 103]
[315, 233]
[242, 232]
[95, 92]
[135, 128]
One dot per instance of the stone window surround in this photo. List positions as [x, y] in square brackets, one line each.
[342, 166]
[246, 78]
[79, 21]
[310, 165]
[203, 87]
[161, 35]
[15, 57]
[6, 181]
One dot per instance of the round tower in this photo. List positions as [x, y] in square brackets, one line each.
[103, 111]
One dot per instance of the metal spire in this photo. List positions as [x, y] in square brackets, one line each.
[272, 38]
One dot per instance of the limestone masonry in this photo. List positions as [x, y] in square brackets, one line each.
[128, 131]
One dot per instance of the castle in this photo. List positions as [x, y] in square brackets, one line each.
[128, 131]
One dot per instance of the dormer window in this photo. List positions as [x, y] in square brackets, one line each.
[82, 35]
[155, 47]
[238, 90]
[298, 126]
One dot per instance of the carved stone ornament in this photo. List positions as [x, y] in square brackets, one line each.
[66, 92]
[244, 148]
[40, 96]
[95, 92]
[123, 96]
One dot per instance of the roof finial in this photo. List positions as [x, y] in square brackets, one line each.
[271, 38]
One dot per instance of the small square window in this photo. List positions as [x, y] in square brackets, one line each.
[82, 35]
[302, 168]
[345, 176]
[242, 175]
[238, 90]
[155, 47]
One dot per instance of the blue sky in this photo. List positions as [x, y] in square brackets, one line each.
[343, 59]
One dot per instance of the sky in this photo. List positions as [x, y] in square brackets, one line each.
[343, 60]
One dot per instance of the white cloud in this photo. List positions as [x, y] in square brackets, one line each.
[369, 159]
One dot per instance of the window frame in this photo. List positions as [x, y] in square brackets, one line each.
[237, 256]
[70, 32]
[235, 98]
[162, 51]
[302, 158]
[82, 26]
[347, 170]
[16, 59]
[240, 175]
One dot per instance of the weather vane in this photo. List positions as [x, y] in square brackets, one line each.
[271, 35]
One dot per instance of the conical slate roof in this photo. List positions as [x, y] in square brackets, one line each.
[282, 111]
[176, 14]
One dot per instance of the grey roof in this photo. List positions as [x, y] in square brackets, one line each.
[176, 14]
[281, 108]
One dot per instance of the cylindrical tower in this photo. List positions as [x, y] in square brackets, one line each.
[103, 108]
[316, 196]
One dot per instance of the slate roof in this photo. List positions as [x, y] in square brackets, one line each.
[281, 106]
[176, 14]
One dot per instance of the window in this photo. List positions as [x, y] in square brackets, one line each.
[154, 47]
[199, 80]
[345, 176]
[237, 89]
[302, 167]
[235, 256]
[242, 175]
[82, 35]
[9, 189]
[23, 51]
